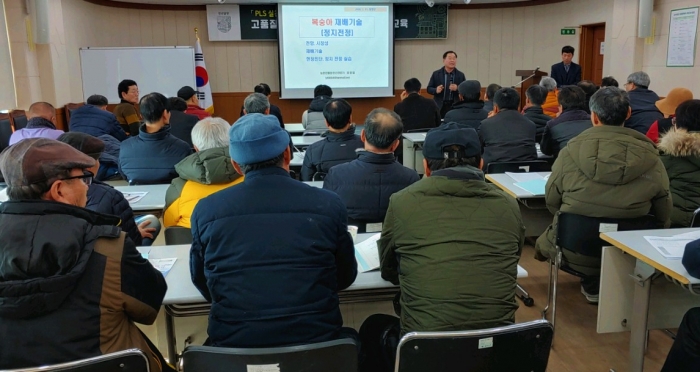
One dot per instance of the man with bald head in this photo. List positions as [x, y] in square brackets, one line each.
[41, 123]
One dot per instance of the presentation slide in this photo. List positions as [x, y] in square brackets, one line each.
[347, 47]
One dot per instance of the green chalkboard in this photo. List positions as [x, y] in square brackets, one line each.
[419, 21]
[259, 22]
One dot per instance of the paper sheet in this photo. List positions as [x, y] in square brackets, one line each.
[163, 264]
[134, 196]
[694, 235]
[367, 254]
[524, 177]
[534, 187]
[671, 247]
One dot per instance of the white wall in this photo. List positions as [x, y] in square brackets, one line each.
[7, 93]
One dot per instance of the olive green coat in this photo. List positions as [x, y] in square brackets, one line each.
[453, 242]
[681, 157]
[606, 171]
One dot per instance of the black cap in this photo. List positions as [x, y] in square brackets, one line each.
[469, 88]
[85, 143]
[691, 258]
[186, 92]
[450, 134]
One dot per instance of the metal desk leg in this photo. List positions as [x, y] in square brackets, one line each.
[642, 293]
[170, 338]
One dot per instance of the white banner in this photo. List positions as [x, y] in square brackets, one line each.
[224, 22]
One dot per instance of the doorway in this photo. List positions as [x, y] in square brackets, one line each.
[592, 52]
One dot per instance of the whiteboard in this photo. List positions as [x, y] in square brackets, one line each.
[155, 69]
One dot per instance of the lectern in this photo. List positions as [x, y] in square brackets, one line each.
[529, 78]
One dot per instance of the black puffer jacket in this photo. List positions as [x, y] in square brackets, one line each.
[336, 148]
[563, 128]
[644, 111]
[467, 114]
[537, 116]
[105, 199]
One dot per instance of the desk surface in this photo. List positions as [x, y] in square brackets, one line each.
[182, 291]
[294, 128]
[297, 159]
[507, 184]
[305, 140]
[414, 137]
[634, 244]
[154, 200]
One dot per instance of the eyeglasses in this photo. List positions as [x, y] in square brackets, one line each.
[86, 177]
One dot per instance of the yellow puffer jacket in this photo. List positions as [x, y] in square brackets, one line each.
[551, 105]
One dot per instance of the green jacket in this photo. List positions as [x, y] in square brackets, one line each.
[452, 242]
[681, 157]
[605, 171]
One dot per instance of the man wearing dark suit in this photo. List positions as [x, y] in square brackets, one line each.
[181, 124]
[566, 72]
[416, 111]
[444, 82]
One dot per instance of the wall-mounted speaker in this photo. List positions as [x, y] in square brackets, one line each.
[39, 15]
[646, 13]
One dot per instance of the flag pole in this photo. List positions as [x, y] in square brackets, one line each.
[196, 33]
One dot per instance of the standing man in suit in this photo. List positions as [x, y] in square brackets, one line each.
[566, 72]
[444, 82]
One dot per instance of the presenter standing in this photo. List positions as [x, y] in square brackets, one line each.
[566, 72]
[444, 82]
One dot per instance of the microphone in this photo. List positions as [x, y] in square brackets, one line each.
[537, 69]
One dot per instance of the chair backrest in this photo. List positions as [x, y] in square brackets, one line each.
[70, 107]
[519, 166]
[5, 131]
[313, 133]
[695, 222]
[362, 226]
[178, 235]
[522, 347]
[418, 130]
[132, 360]
[319, 176]
[338, 356]
[19, 119]
[581, 234]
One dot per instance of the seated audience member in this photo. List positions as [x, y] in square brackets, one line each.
[642, 101]
[41, 123]
[606, 171]
[684, 354]
[365, 184]
[488, 96]
[572, 121]
[535, 96]
[72, 283]
[550, 106]
[125, 112]
[589, 88]
[313, 119]
[201, 174]
[190, 96]
[429, 256]
[94, 119]
[609, 81]
[680, 153]
[181, 124]
[507, 135]
[339, 145]
[258, 103]
[109, 159]
[416, 111]
[105, 199]
[668, 107]
[274, 110]
[275, 236]
[469, 111]
[150, 157]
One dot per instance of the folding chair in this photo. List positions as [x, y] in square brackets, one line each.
[175, 235]
[519, 167]
[520, 347]
[695, 222]
[132, 360]
[19, 119]
[581, 234]
[5, 131]
[319, 176]
[338, 356]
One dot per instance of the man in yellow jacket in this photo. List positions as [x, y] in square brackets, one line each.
[550, 106]
[201, 174]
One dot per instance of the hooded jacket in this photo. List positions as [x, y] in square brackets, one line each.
[681, 156]
[452, 242]
[37, 127]
[313, 119]
[561, 129]
[606, 171]
[200, 175]
[150, 158]
[94, 121]
[467, 114]
[644, 110]
[336, 148]
[71, 286]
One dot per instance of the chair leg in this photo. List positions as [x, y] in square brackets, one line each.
[522, 294]
[549, 291]
[557, 266]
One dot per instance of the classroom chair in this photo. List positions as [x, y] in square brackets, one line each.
[519, 166]
[319, 176]
[69, 108]
[132, 360]
[522, 347]
[19, 119]
[5, 131]
[338, 356]
[581, 234]
[175, 235]
[695, 222]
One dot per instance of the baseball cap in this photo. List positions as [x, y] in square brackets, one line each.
[691, 258]
[450, 134]
[469, 88]
[83, 142]
[255, 138]
[186, 92]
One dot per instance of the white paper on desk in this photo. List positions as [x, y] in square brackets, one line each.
[524, 177]
[367, 254]
[134, 196]
[671, 247]
[163, 264]
[694, 235]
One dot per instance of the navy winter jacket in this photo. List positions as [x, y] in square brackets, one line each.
[271, 255]
[366, 184]
[644, 111]
[91, 120]
[336, 148]
[150, 158]
[105, 199]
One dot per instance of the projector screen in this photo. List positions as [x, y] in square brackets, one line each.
[347, 47]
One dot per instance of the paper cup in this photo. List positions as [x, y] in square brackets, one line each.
[353, 232]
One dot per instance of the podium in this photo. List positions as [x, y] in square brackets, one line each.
[529, 78]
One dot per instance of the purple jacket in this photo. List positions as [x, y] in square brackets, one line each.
[36, 128]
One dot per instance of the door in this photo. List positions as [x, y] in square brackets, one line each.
[592, 52]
